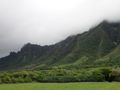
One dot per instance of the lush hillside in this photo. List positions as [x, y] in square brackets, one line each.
[95, 48]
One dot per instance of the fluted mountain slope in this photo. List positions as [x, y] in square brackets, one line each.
[100, 46]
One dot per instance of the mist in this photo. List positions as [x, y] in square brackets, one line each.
[47, 22]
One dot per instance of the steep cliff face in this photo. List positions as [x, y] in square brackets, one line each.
[95, 47]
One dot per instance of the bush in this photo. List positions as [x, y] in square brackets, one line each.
[61, 75]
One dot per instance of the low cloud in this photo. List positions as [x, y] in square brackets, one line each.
[46, 22]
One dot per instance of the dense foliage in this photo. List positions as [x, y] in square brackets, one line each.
[61, 75]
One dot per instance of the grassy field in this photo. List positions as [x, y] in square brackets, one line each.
[62, 86]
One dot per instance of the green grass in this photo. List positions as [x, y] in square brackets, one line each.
[62, 86]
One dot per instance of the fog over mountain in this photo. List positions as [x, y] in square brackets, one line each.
[46, 22]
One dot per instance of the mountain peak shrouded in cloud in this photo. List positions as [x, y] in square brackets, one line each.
[46, 22]
[98, 47]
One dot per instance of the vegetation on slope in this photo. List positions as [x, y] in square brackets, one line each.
[97, 47]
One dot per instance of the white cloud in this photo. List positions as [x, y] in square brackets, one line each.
[49, 21]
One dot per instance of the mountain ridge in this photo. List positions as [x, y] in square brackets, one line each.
[87, 49]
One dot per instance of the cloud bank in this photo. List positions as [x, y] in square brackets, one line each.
[46, 22]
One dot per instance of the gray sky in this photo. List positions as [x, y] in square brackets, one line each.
[50, 21]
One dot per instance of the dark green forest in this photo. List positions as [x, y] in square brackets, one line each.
[61, 75]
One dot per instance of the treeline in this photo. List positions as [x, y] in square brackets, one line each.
[61, 75]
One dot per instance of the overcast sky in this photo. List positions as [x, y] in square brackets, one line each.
[49, 21]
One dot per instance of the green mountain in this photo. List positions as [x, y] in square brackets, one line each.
[100, 46]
